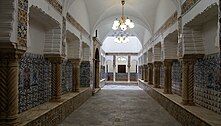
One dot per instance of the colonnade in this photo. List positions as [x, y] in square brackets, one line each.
[128, 68]
[151, 74]
[9, 71]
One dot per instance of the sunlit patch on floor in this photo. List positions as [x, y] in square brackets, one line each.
[121, 87]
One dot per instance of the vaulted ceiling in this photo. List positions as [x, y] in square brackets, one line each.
[102, 13]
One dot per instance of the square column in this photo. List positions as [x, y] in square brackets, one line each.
[150, 73]
[168, 76]
[114, 68]
[142, 72]
[145, 73]
[128, 68]
[156, 74]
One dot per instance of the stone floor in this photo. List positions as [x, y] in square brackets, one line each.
[120, 105]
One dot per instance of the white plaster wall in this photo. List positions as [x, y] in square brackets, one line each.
[199, 8]
[70, 50]
[47, 8]
[133, 66]
[133, 46]
[150, 56]
[36, 38]
[210, 35]
[86, 53]
[52, 43]
[79, 11]
[169, 50]
[182, 1]
[157, 53]
[165, 9]
[147, 36]
[109, 62]
[110, 66]
[145, 57]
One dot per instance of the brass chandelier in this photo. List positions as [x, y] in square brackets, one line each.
[123, 23]
[121, 26]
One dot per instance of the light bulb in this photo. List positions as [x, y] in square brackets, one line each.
[121, 39]
[126, 40]
[123, 27]
[127, 22]
[114, 27]
[116, 23]
[115, 40]
[131, 25]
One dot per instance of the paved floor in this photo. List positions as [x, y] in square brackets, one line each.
[120, 105]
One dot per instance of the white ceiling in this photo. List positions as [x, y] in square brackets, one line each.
[102, 13]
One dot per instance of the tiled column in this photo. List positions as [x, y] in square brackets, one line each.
[141, 73]
[219, 27]
[56, 61]
[156, 75]
[168, 76]
[9, 71]
[76, 74]
[146, 73]
[114, 68]
[128, 70]
[142, 69]
[150, 73]
[128, 66]
[97, 70]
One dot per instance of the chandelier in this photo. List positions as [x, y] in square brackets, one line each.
[121, 59]
[123, 23]
[121, 37]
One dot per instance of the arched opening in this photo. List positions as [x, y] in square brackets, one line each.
[96, 66]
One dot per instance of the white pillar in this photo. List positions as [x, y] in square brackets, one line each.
[114, 68]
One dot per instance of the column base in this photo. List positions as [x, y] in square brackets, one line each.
[58, 99]
[191, 103]
[156, 86]
[150, 83]
[9, 121]
[184, 102]
[77, 90]
[167, 92]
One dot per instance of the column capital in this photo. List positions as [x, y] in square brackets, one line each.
[96, 60]
[75, 61]
[128, 65]
[192, 56]
[145, 66]
[150, 64]
[157, 63]
[54, 58]
[168, 62]
[9, 51]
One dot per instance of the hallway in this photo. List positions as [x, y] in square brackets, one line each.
[120, 105]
